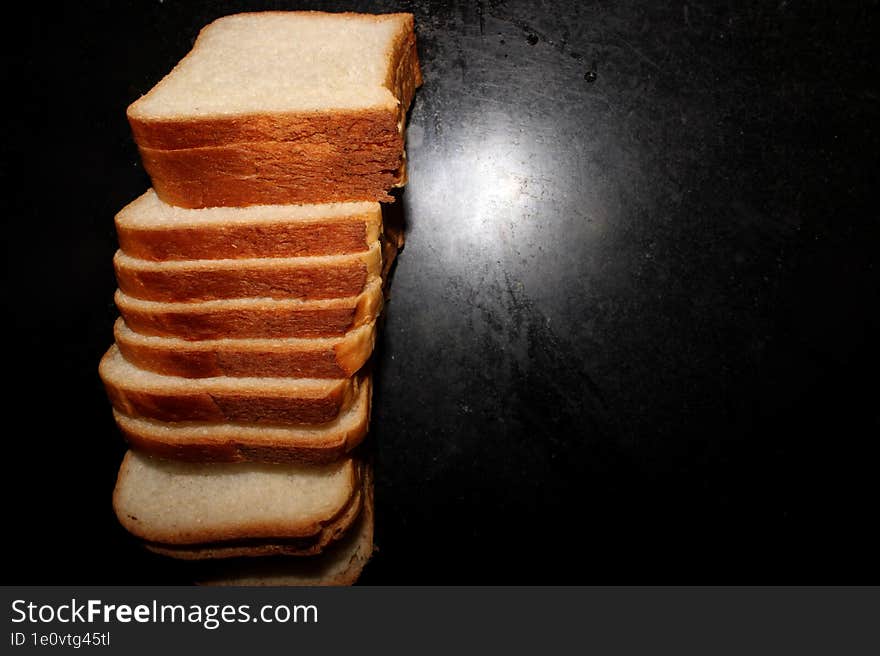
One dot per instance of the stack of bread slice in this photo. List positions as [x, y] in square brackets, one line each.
[251, 279]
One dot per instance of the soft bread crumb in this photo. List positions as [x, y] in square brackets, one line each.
[280, 62]
[340, 564]
[178, 503]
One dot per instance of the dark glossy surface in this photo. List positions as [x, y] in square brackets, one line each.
[632, 336]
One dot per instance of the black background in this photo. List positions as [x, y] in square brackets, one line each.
[632, 337]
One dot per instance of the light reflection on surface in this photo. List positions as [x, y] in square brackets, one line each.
[500, 206]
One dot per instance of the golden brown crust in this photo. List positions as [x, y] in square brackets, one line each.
[199, 363]
[221, 406]
[218, 402]
[277, 239]
[199, 359]
[273, 173]
[195, 321]
[316, 448]
[340, 128]
[220, 451]
[406, 75]
[284, 158]
[338, 276]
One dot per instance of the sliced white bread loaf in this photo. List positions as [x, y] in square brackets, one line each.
[328, 357]
[266, 400]
[152, 230]
[282, 107]
[306, 278]
[341, 563]
[240, 442]
[252, 317]
[191, 509]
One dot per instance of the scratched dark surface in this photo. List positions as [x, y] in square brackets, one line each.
[631, 337]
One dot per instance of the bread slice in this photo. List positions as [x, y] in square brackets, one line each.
[284, 76]
[281, 401]
[192, 509]
[340, 564]
[331, 357]
[152, 230]
[252, 317]
[262, 317]
[240, 442]
[271, 173]
[282, 107]
[307, 278]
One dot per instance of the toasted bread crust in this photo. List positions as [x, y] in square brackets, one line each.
[216, 320]
[312, 448]
[337, 358]
[340, 128]
[273, 173]
[223, 451]
[309, 278]
[216, 402]
[352, 234]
